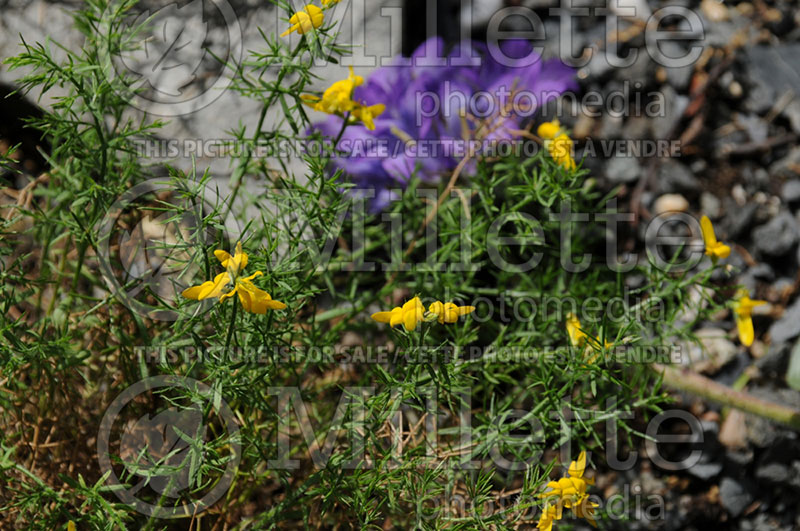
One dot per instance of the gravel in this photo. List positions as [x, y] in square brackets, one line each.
[778, 237]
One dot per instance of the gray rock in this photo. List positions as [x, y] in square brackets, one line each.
[675, 104]
[623, 169]
[792, 113]
[775, 361]
[705, 471]
[733, 496]
[740, 457]
[777, 237]
[755, 126]
[714, 351]
[710, 205]
[788, 326]
[762, 272]
[771, 71]
[676, 177]
[773, 472]
[638, 73]
[790, 192]
[678, 76]
[737, 218]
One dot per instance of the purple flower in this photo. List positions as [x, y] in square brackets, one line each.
[434, 103]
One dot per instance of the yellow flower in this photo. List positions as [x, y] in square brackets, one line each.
[743, 309]
[560, 149]
[253, 299]
[408, 315]
[303, 21]
[326, 3]
[549, 130]
[558, 143]
[714, 249]
[338, 99]
[549, 514]
[585, 509]
[570, 492]
[578, 468]
[366, 115]
[577, 337]
[71, 526]
[448, 312]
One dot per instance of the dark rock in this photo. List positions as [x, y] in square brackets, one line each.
[777, 237]
[788, 167]
[775, 465]
[764, 433]
[733, 496]
[788, 326]
[775, 361]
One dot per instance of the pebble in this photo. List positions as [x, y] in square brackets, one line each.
[732, 433]
[793, 372]
[715, 11]
[739, 195]
[670, 203]
[715, 351]
[788, 326]
[790, 192]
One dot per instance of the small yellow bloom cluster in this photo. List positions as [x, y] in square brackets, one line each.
[558, 143]
[742, 305]
[743, 309]
[338, 99]
[413, 312]
[579, 339]
[569, 492]
[310, 18]
[714, 249]
[253, 299]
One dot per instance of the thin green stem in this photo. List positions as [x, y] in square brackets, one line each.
[685, 380]
[233, 323]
